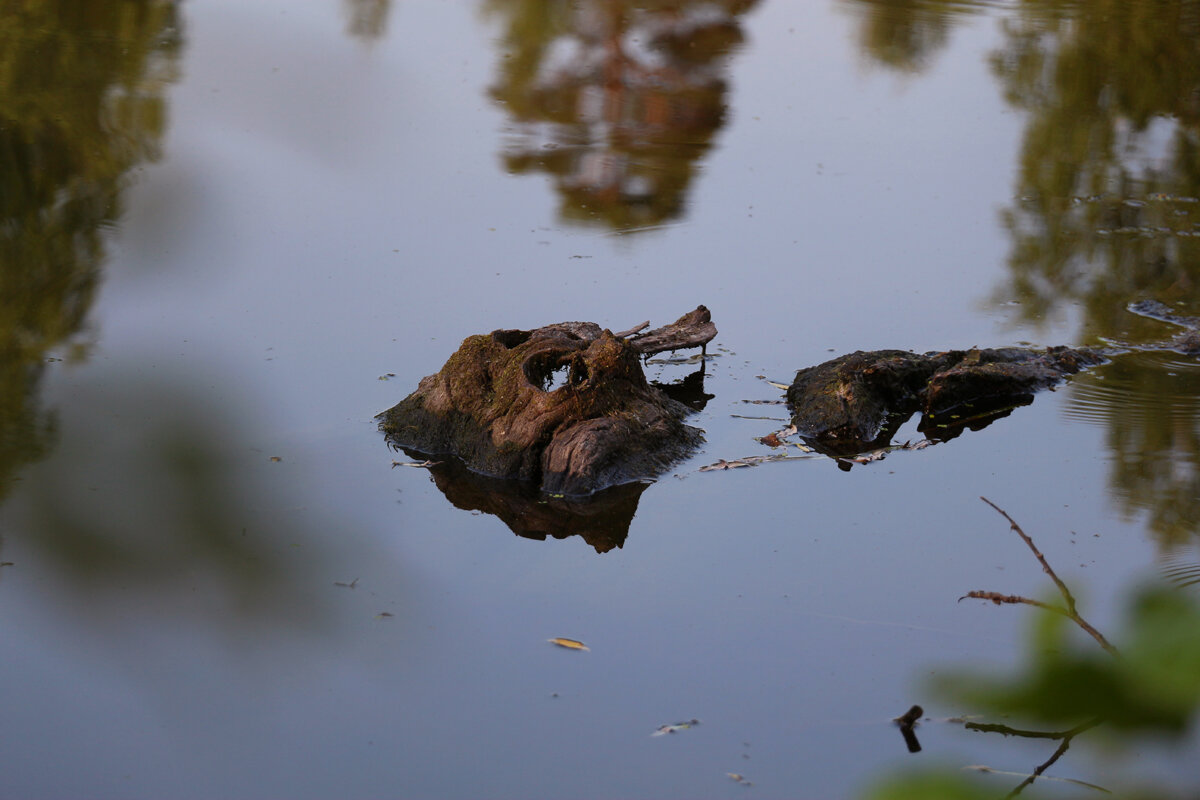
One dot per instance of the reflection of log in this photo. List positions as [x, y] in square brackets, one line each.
[602, 519]
[858, 401]
[566, 406]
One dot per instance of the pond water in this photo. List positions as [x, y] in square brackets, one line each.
[234, 232]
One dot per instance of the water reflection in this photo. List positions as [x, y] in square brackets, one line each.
[602, 520]
[906, 34]
[1110, 163]
[366, 19]
[81, 105]
[1149, 405]
[144, 501]
[1107, 208]
[1108, 214]
[617, 101]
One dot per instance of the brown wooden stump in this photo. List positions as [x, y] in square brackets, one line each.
[566, 406]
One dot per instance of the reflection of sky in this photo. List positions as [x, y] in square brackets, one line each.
[326, 214]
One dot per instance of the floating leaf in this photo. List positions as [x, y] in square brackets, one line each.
[865, 458]
[739, 778]
[678, 726]
[570, 644]
[781, 386]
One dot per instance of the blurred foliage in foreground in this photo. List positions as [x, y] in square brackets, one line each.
[1141, 691]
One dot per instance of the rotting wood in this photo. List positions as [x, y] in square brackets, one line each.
[693, 329]
[566, 406]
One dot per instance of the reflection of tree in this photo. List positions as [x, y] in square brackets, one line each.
[1108, 214]
[366, 19]
[1110, 168]
[904, 34]
[1150, 408]
[617, 100]
[80, 105]
[1107, 209]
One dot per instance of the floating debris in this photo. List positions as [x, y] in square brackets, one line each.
[415, 464]
[678, 726]
[739, 779]
[349, 585]
[986, 770]
[723, 464]
[276, 459]
[570, 644]
[384, 615]
[782, 386]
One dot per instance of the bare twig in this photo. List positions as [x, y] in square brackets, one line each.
[1070, 611]
[1012, 599]
[1067, 738]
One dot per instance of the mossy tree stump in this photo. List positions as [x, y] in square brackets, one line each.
[566, 406]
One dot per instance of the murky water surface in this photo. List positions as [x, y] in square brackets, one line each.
[234, 232]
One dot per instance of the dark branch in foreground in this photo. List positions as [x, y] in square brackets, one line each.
[1067, 738]
[1069, 611]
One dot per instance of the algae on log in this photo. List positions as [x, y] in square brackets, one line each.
[857, 401]
[566, 406]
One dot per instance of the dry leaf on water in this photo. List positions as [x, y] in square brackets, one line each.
[678, 726]
[570, 644]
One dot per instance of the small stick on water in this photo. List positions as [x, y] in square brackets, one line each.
[1069, 611]
[906, 722]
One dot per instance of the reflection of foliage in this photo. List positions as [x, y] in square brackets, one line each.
[80, 105]
[1149, 405]
[1149, 688]
[1109, 213]
[142, 500]
[367, 19]
[617, 100]
[1108, 208]
[904, 34]
[1110, 167]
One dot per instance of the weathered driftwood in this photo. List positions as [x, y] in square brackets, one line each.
[858, 401]
[693, 329]
[566, 406]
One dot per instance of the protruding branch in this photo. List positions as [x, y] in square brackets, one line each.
[693, 329]
[1070, 612]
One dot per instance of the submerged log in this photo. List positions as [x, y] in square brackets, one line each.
[566, 406]
[857, 402]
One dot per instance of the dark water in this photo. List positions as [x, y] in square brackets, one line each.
[233, 233]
